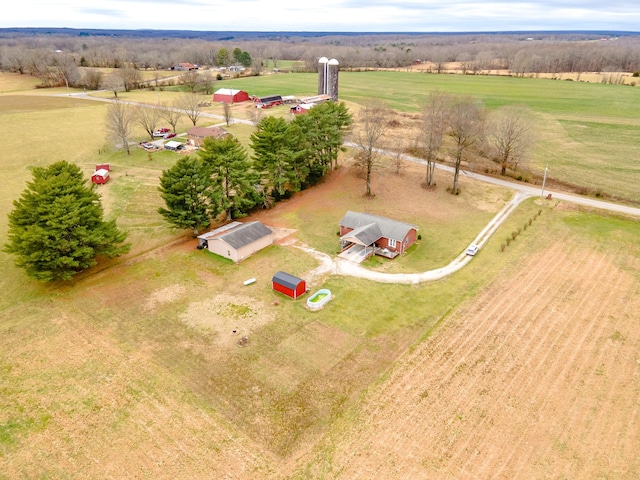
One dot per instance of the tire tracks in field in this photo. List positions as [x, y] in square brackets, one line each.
[523, 368]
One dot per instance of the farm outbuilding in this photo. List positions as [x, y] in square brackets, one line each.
[229, 95]
[100, 176]
[288, 284]
[237, 240]
[268, 101]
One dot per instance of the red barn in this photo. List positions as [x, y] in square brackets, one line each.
[288, 284]
[228, 95]
[100, 176]
[268, 102]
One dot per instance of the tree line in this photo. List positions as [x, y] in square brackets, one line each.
[58, 59]
[451, 128]
[223, 180]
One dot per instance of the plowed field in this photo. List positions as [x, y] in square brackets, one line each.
[538, 377]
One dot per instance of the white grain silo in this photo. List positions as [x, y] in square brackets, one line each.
[332, 89]
[323, 75]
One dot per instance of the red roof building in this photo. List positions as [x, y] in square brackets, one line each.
[228, 95]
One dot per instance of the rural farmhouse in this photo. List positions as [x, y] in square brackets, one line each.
[374, 235]
[236, 240]
[196, 135]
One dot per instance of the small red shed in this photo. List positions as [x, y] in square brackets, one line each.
[100, 176]
[288, 284]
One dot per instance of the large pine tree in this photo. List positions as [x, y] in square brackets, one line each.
[274, 154]
[187, 191]
[56, 229]
[232, 174]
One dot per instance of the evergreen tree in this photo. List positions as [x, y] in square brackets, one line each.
[231, 174]
[56, 229]
[245, 59]
[324, 127]
[273, 154]
[188, 194]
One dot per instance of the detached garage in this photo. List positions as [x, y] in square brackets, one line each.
[288, 284]
[228, 95]
[237, 240]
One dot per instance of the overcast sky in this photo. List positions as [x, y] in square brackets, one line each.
[328, 15]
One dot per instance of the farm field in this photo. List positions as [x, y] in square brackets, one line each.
[523, 364]
[536, 377]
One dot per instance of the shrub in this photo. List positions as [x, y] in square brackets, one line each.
[502, 247]
[514, 235]
[508, 240]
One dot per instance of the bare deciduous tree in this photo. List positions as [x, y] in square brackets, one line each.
[190, 105]
[366, 136]
[114, 83]
[147, 117]
[120, 119]
[510, 132]
[206, 81]
[190, 80]
[131, 78]
[171, 114]
[465, 128]
[64, 70]
[397, 155]
[92, 79]
[227, 113]
[434, 123]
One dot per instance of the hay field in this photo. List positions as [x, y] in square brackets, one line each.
[134, 370]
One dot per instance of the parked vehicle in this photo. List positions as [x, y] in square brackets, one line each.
[161, 132]
[169, 135]
[473, 249]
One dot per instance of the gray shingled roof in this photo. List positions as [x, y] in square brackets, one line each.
[238, 234]
[365, 235]
[286, 279]
[388, 228]
[245, 234]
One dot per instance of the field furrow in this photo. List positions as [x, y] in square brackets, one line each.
[527, 380]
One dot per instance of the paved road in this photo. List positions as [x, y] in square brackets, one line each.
[528, 189]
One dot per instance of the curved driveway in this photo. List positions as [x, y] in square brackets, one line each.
[341, 266]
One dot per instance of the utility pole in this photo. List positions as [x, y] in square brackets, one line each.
[544, 179]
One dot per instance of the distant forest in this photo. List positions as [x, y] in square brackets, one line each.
[51, 53]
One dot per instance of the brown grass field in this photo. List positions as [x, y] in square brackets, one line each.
[524, 364]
